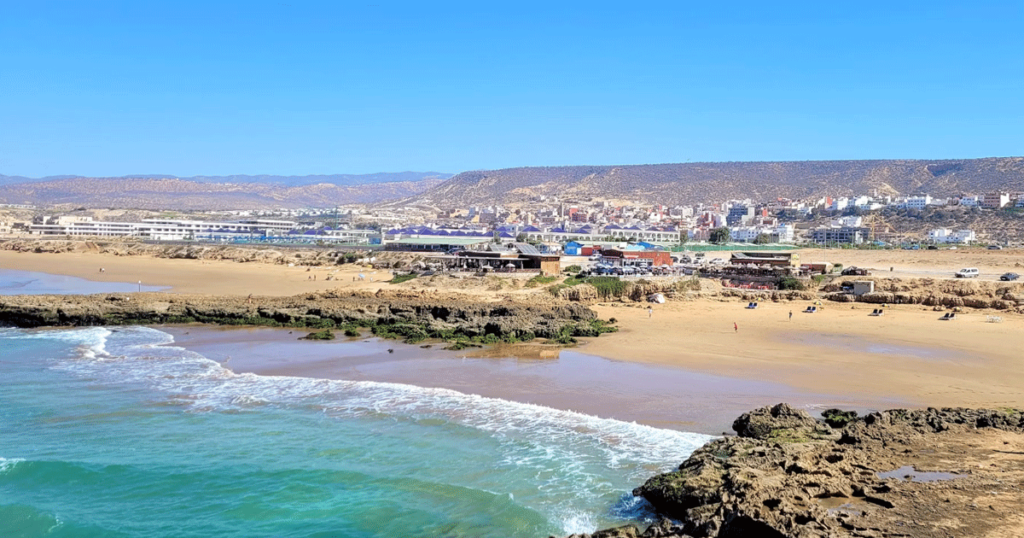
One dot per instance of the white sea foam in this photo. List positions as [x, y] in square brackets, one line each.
[566, 450]
[8, 464]
[91, 342]
[576, 522]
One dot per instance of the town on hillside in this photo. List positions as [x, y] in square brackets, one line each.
[549, 234]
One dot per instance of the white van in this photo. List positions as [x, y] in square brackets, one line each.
[967, 272]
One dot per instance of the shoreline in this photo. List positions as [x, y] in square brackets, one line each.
[908, 354]
[660, 396]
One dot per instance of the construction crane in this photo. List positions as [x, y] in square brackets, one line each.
[877, 226]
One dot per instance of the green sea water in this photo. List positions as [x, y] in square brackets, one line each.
[116, 433]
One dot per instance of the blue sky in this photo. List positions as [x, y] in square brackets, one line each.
[208, 88]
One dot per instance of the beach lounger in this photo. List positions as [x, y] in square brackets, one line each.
[808, 310]
[946, 317]
[995, 319]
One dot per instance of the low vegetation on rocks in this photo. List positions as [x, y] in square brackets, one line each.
[409, 316]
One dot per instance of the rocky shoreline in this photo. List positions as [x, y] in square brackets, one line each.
[412, 317]
[897, 473]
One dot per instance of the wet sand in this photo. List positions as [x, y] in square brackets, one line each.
[907, 353]
[656, 395]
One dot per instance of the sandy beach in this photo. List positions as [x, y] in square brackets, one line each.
[214, 277]
[907, 352]
[657, 395]
[906, 355]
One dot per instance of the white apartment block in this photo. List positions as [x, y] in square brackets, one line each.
[848, 221]
[155, 229]
[970, 201]
[947, 236]
[744, 234]
[782, 233]
[917, 202]
[785, 233]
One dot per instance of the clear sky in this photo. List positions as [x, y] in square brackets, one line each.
[252, 87]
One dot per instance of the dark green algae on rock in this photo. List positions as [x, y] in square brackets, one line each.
[387, 315]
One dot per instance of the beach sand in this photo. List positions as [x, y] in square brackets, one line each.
[656, 395]
[213, 277]
[908, 355]
[907, 352]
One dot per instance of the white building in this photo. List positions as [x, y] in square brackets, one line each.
[866, 203]
[744, 234]
[83, 226]
[970, 201]
[781, 233]
[917, 202]
[785, 233]
[848, 221]
[947, 236]
[156, 229]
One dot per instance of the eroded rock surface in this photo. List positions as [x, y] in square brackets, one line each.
[436, 314]
[958, 472]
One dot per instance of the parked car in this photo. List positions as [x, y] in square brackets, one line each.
[968, 272]
[995, 247]
[1006, 277]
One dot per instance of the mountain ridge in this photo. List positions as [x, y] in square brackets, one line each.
[689, 183]
[182, 194]
[270, 179]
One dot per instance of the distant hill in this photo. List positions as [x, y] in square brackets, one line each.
[216, 192]
[706, 182]
[289, 181]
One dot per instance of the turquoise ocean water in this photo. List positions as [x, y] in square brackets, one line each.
[110, 432]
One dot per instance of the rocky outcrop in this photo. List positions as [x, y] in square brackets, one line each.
[922, 473]
[933, 292]
[396, 314]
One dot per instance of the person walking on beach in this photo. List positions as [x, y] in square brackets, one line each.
[735, 327]
[650, 312]
[790, 315]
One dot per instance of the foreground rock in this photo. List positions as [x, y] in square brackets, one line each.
[411, 316]
[924, 473]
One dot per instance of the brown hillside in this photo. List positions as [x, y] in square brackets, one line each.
[143, 193]
[703, 182]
